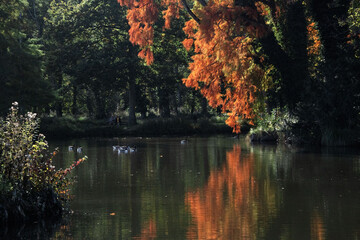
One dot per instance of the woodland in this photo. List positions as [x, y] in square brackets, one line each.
[285, 67]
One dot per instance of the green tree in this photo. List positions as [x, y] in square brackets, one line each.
[21, 69]
[87, 44]
[169, 65]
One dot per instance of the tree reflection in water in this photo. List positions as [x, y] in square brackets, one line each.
[317, 227]
[228, 206]
[148, 232]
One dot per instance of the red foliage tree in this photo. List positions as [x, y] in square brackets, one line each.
[221, 34]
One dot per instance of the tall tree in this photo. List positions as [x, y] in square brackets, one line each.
[88, 45]
[20, 59]
[170, 61]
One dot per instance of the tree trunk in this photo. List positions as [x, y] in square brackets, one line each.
[204, 107]
[74, 109]
[100, 106]
[90, 102]
[59, 112]
[59, 103]
[132, 102]
[164, 102]
[177, 100]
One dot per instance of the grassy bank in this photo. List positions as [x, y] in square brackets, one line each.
[69, 127]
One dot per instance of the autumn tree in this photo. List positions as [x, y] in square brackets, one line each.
[306, 48]
[221, 65]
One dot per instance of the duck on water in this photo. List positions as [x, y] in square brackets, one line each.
[124, 149]
[72, 148]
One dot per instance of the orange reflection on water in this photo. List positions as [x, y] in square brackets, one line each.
[317, 227]
[148, 232]
[225, 207]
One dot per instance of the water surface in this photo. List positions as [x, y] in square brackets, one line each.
[211, 188]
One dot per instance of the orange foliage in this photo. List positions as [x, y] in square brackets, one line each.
[146, 54]
[188, 43]
[314, 39]
[172, 11]
[141, 17]
[224, 208]
[223, 68]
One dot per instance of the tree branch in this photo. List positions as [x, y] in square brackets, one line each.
[192, 14]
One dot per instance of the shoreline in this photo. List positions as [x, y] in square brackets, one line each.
[57, 128]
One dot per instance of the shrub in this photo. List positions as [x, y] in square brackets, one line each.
[273, 126]
[26, 169]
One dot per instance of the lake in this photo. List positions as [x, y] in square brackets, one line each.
[210, 188]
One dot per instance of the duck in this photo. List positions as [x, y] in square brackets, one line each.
[183, 141]
[116, 147]
[79, 149]
[132, 149]
[123, 149]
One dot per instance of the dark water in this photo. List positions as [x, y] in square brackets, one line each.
[211, 188]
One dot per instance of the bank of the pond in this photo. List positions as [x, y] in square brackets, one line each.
[338, 138]
[19, 206]
[61, 128]
[42, 229]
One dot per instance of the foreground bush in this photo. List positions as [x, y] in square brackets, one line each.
[30, 186]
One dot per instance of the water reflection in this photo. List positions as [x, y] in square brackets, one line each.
[317, 226]
[319, 193]
[148, 232]
[277, 193]
[38, 230]
[233, 204]
[210, 188]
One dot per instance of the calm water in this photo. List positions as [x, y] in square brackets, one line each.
[211, 188]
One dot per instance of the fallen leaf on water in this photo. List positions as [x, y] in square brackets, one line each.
[112, 214]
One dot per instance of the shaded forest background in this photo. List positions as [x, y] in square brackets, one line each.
[71, 58]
